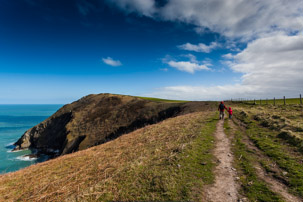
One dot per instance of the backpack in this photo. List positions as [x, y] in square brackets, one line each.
[221, 106]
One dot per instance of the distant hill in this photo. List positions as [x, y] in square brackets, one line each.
[96, 119]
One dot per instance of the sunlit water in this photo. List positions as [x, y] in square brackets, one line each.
[14, 121]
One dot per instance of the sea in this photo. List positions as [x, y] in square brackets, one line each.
[14, 121]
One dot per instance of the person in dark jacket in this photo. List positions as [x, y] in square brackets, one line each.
[221, 108]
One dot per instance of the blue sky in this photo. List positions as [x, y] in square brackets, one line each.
[58, 51]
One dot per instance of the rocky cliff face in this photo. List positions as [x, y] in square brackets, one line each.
[93, 120]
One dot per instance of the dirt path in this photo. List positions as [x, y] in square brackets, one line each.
[225, 187]
[275, 185]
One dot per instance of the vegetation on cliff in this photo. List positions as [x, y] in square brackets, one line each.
[96, 119]
[171, 160]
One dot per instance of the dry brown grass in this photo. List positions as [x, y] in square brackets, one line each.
[279, 118]
[100, 171]
[277, 132]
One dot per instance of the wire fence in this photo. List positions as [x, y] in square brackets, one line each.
[274, 101]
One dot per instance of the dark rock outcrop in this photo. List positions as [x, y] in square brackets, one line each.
[93, 120]
[48, 136]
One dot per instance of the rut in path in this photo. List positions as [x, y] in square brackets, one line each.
[225, 187]
[273, 183]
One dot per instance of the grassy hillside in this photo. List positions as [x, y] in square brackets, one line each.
[162, 100]
[268, 138]
[95, 119]
[170, 160]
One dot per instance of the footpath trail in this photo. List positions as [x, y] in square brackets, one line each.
[225, 187]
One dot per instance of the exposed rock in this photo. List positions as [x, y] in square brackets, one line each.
[47, 136]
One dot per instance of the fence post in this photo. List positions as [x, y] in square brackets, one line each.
[300, 99]
[284, 100]
[274, 101]
[254, 101]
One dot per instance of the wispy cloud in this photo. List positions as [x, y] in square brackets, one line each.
[146, 7]
[111, 62]
[228, 56]
[270, 33]
[190, 66]
[201, 47]
[187, 66]
[203, 92]
[191, 57]
[164, 69]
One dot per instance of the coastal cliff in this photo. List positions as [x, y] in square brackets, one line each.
[93, 120]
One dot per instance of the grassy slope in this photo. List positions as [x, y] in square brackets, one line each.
[253, 187]
[95, 119]
[162, 100]
[170, 160]
[263, 126]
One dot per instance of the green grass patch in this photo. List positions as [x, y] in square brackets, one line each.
[278, 101]
[254, 188]
[161, 100]
[268, 141]
[227, 128]
[177, 177]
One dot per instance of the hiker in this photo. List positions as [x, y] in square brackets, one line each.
[221, 108]
[230, 112]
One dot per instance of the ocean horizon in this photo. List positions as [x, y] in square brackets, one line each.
[15, 119]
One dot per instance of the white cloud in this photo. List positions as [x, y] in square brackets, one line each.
[187, 66]
[233, 18]
[271, 63]
[201, 47]
[111, 62]
[274, 62]
[271, 67]
[228, 56]
[190, 66]
[238, 18]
